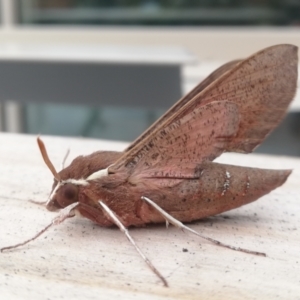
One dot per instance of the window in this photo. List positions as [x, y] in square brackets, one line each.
[160, 12]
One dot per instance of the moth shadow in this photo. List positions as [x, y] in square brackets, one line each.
[229, 219]
[224, 220]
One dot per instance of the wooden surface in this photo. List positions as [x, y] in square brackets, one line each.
[79, 260]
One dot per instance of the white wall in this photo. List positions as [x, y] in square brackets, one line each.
[218, 43]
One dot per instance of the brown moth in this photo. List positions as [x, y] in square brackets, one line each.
[167, 174]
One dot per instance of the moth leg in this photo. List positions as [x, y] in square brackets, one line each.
[42, 203]
[67, 212]
[178, 224]
[117, 221]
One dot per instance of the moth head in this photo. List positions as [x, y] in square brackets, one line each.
[63, 192]
[62, 195]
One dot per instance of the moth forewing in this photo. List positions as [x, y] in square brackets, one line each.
[262, 86]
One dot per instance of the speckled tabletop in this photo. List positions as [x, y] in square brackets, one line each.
[80, 260]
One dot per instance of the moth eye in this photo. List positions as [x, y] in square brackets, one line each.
[67, 195]
[70, 192]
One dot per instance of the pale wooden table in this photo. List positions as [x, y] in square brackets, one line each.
[79, 260]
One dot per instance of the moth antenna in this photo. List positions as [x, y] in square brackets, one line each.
[46, 159]
[65, 158]
[178, 224]
[67, 212]
[116, 220]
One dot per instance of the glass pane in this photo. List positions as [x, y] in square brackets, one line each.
[163, 12]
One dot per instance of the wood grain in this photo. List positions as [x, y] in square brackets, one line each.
[79, 260]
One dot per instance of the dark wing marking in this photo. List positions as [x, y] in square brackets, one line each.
[196, 137]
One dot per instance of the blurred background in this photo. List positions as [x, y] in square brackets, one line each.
[108, 69]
